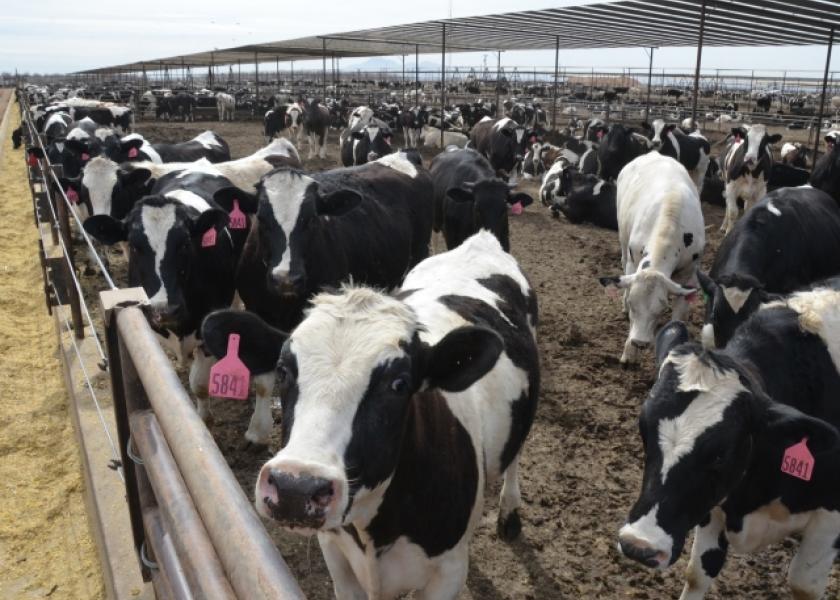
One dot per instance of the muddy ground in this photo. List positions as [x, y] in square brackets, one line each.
[581, 467]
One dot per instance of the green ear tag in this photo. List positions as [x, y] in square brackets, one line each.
[705, 297]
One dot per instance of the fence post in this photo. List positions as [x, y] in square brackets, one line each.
[69, 264]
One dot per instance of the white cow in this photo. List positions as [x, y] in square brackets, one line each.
[226, 104]
[430, 137]
[662, 236]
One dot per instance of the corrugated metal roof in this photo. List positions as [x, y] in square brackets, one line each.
[620, 24]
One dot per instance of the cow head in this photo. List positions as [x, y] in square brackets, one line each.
[351, 376]
[377, 142]
[99, 181]
[164, 239]
[490, 200]
[647, 292]
[705, 424]
[291, 206]
[661, 129]
[756, 140]
[133, 181]
[729, 301]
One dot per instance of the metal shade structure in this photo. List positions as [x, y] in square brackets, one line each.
[620, 24]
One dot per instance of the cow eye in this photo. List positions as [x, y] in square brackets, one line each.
[400, 385]
[283, 374]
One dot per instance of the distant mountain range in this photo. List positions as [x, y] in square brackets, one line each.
[387, 64]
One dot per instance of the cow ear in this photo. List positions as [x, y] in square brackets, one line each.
[669, 337]
[459, 194]
[521, 197]
[213, 218]
[259, 343]
[106, 229]
[133, 177]
[247, 202]
[787, 426]
[774, 139]
[620, 282]
[462, 357]
[338, 203]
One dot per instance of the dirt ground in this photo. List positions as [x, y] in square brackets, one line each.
[581, 467]
[45, 546]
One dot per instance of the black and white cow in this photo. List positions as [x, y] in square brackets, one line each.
[469, 197]
[557, 181]
[501, 141]
[746, 166]
[441, 378]
[366, 144]
[590, 200]
[412, 121]
[826, 175]
[275, 122]
[113, 189]
[367, 224]
[430, 138]
[85, 140]
[316, 124]
[789, 239]
[56, 126]
[180, 106]
[717, 431]
[294, 120]
[594, 130]
[795, 154]
[135, 147]
[17, 138]
[784, 175]
[618, 147]
[691, 150]
[662, 236]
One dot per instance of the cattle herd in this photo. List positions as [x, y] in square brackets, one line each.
[394, 364]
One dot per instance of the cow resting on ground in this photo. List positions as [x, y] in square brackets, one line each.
[398, 412]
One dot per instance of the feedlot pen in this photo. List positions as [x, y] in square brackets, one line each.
[581, 466]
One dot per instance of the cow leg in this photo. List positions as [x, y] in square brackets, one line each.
[759, 191]
[731, 196]
[322, 151]
[810, 567]
[708, 554]
[199, 382]
[311, 138]
[259, 429]
[449, 577]
[509, 524]
[345, 583]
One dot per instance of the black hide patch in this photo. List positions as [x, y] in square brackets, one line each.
[688, 238]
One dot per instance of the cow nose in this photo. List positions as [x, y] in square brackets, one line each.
[372, 156]
[168, 314]
[297, 500]
[288, 284]
[641, 345]
[642, 552]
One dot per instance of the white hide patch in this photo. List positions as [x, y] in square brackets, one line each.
[597, 189]
[103, 133]
[207, 139]
[501, 123]
[755, 134]
[157, 222]
[658, 126]
[78, 134]
[398, 162]
[100, 177]
[372, 133]
[646, 529]
[188, 198]
[736, 297]
[717, 390]
[772, 208]
[819, 313]
[285, 191]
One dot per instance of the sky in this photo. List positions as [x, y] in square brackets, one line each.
[60, 36]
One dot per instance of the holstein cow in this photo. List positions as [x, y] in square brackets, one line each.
[430, 138]
[365, 145]
[618, 147]
[789, 239]
[135, 147]
[113, 189]
[795, 154]
[742, 445]
[660, 228]
[442, 378]
[469, 197]
[501, 141]
[412, 121]
[56, 126]
[826, 175]
[316, 123]
[590, 200]
[294, 120]
[367, 224]
[692, 151]
[746, 163]
[275, 122]
[594, 130]
[226, 105]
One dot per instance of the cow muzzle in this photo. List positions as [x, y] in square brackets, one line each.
[296, 501]
[166, 317]
[287, 285]
[642, 552]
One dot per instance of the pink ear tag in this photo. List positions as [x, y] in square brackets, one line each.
[72, 195]
[516, 208]
[692, 297]
[237, 217]
[133, 153]
[798, 461]
[85, 156]
[599, 134]
[209, 238]
[229, 377]
[32, 160]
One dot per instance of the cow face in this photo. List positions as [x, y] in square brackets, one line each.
[377, 142]
[291, 206]
[646, 295]
[729, 302]
[98, 182]
[704, 426]
[350, 375]
[164, 238]
[661, 129]
[757, 140]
